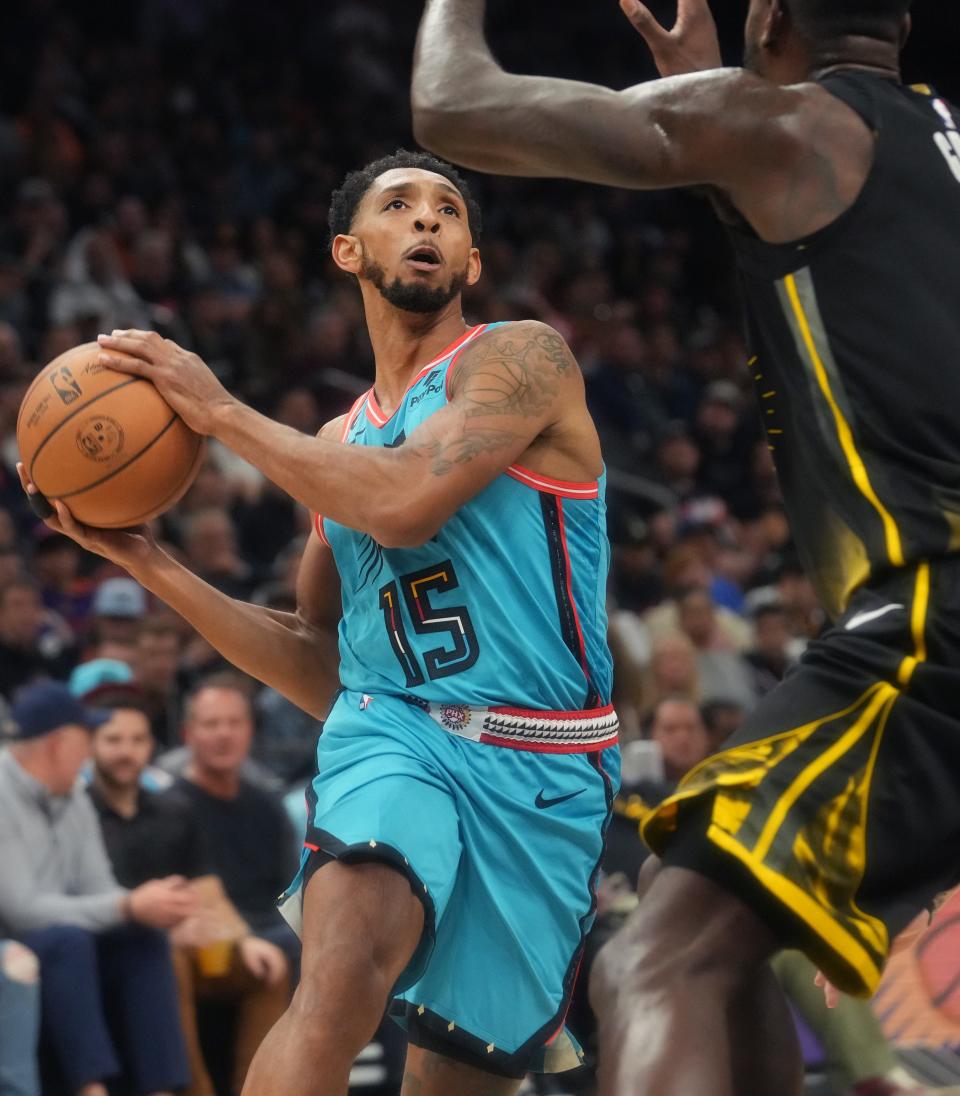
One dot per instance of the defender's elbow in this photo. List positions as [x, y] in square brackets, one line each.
[437, 129]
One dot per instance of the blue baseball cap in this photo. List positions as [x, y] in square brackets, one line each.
[48, 705]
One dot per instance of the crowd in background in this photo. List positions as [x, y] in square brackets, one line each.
[169, 166]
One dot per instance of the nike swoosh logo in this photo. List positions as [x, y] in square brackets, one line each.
[865, 618]
[541, 803]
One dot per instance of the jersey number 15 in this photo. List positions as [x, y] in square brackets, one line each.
[428, 620]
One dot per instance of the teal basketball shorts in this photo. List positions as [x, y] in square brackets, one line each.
[502, 844]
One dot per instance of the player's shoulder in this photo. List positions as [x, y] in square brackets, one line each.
[333, 430]
[517, 347]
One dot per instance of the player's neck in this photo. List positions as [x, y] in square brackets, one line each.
[863, 54]
[404, 342]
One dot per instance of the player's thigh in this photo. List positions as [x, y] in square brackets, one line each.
[357, 915]
[430, 1074]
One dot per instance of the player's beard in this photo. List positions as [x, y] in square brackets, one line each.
[412, 296]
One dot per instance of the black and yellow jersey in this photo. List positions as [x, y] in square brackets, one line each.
[855, 337]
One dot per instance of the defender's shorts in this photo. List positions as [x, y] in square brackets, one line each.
[835, 811]
[502, 845]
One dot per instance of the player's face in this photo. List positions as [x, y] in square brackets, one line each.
[416, 247]
[122, 747]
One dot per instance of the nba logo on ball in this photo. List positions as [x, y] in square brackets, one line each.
[65, 385]
[100, 438]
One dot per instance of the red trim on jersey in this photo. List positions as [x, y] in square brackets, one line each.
[375, 412]
[476, 331]
[318, 525]
[352, 414]
[548, 747]
[561, 488]
[532, 713]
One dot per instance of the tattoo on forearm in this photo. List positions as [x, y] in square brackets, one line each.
[445, 455]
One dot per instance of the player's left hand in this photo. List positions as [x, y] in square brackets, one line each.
[184, 379]
[265, 961]
[691, 46]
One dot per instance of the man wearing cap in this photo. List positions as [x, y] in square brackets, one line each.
[118, 606]
[96, 941]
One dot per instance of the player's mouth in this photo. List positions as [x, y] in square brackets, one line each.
[424, 257]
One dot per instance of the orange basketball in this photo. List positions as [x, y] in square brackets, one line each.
[104, 442]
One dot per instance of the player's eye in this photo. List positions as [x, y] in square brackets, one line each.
[395, 203]
[451, 209]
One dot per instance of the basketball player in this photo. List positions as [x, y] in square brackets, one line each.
[834, 816]
[468, 763]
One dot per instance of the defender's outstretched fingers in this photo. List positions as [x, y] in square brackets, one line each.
[643, 21]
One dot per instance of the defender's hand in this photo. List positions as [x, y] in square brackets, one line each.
[692, 45]
[184, 379]
[830, 992]
[125, 547]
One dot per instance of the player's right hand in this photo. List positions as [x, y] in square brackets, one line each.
[691, 46]
[162, 903]
[125, 547]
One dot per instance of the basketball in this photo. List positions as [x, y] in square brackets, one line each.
[105, 443]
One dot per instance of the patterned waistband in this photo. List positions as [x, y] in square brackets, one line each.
[528, 729]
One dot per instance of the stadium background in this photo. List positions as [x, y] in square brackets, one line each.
[168, 164]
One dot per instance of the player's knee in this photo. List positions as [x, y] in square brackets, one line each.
[652, 957]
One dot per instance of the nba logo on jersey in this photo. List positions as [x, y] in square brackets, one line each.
[365, 702]
[945, 113]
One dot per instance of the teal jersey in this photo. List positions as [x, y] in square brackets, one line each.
[506, 605]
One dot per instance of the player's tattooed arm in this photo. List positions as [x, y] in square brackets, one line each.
[506, 389]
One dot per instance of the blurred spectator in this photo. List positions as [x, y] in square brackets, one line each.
[149, 836]
[674, 671]
[770, 657]
[96, 941]
[56, 566]
[677, 727]
[117, 608]
[27, 651]
[19, 1020]
[246, 827]
[722, 718]
[286, 741]
[210, 545]
[722, 673]
[157, 672]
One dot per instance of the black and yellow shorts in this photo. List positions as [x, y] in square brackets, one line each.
[835, 811]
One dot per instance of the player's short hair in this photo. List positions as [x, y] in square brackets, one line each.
[820, 19]
[345, 200]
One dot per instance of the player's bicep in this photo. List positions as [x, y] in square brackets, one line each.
[509, 388]
[698, 129]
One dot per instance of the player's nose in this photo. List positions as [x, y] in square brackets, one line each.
[427, 221]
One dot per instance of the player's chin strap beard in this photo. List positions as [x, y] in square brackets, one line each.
[412, 296]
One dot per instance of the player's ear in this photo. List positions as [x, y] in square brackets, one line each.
[474, 267]
[347, 253]
[776, 25]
